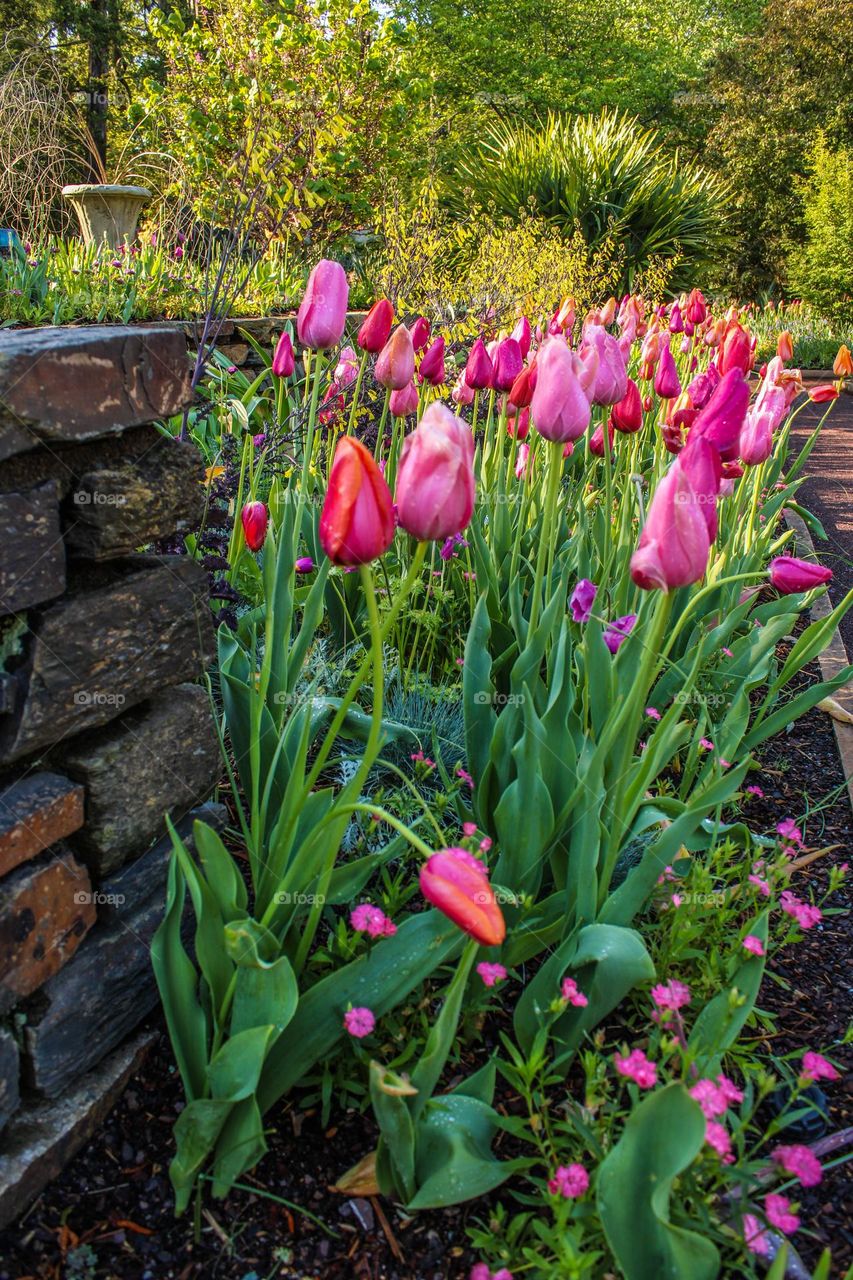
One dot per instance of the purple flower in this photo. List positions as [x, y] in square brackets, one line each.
[304, 564]
[617, 631]
[582, 600]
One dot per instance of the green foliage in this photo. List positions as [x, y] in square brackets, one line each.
[821, 270]
[606, 177]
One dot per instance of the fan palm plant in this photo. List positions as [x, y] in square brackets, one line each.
[606, 175]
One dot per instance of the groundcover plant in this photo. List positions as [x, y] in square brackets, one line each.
[501, 628]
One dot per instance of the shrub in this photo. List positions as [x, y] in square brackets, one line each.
[821, 269]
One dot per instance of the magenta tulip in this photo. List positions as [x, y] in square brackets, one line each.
[674, 544]
[596, 440]
[507, 364]
[283, 362]
[736, 350]
[376, 327]
[323, 310]
[627, 415]
[395, 364]
[523, 336]
[420, 332]
[478, 370]
[789, 575]
[431, 368]
[254, 518]
[721, 420]
[701, 464]
[559, 407]
[435, 476]
[676, 322]
[667, 383]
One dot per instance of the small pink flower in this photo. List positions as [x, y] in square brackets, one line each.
[755, 1236]
[752, 944]
[491, 973]
[371, 920]
[804, 913]
[569, 1180]
[466, 777]
[671, 995]
[761, 885]
[469, 828]
[789, 831]
[725, 764]
[755, 791]
[706, 744]
[653, 713]
[359, 1022]
[800, 1162]
[569, 991]
[676, 899]
[816, 1067]
[779, 1215]
[728, 653]
[729, 1089]
[485, 844]
[459, 662]
[637, 1067]
[711, 1099]
[716, 1136]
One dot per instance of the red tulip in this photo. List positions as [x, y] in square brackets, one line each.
[404, 401]
[255, 519]
[376, 327]
[435, 476]
[357, 520]
[789, 575]
[478, 370]
[674, 544]
[736, 350]
[824, 392]
[420, 332]
[507, 364]
[395, 365]
[323, 310]
[283, 362]
[431, 368]
[518, 426]
[450, 882]
[521, 392]
[627, 415]
[596, 440]
[696, 308]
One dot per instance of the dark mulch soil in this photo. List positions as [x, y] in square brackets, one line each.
[115, 1195]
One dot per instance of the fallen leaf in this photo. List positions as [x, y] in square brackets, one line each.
[360, 1180]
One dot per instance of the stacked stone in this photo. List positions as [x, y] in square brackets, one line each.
[102, 728]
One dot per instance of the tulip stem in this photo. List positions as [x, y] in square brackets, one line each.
[380, 429]
[356, 393]
[555, 469]
[383, 815]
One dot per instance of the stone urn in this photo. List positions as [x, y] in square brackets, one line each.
[107, 212]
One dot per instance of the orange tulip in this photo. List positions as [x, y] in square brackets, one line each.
[843, 364]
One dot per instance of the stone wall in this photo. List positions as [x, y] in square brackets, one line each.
[103, 728]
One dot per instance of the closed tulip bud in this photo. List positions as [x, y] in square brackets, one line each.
[842, 366]
[461, 392]
[700, 462]
[521, 391]
[322, 313]
[611, 378]
[696, 308]
[404, 401]
[824, 392]
[420, 332]
[736, 350]
[566, 314]
[451, 883]
[723, 416]
[523, 336]
[431, 368]
[357, 520]
[627, 414]
[346, 370]
[283, 362]
[304, 565]
[702, 387]
[395, 364]
[478, 370]
[507, 364]
[596, 440]
[254, 518]
[676, 322]
[376, 327]
[667, 382]
[674, 544]
[435, 476]
[648, 402]
[518, 426]
[790, 575]
[559, 408]
[785, 346]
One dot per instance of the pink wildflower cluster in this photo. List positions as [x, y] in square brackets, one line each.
[790, 835]
[804, 913]
[569, 991]
[480, 1271]
[491, 973]
[569, 1180]
[359, 1022]
[368, 919]
[418, 757]
[672, 995]
[800, 1162]
[816, 1067]
[637, 1067]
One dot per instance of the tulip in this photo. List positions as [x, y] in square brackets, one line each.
[721, 420]
[376, 327]
[700, 462]
[523, 336]
[616, 632]
[789, 575]
[522, 458]
[395, 364]
[507, 364]
[254, 518]
[323, 311]
[702, 387]
[674, 544]
[736, 350]
[357, 520]
[785, 346]
[431, 368]
[304, 564]
[283, 362]
[435, 476]
[596, 440]
[696, 308]
[824, 392]
[521, 391]
[462, 393]
[478, 370]
[346, 370]
[420, 332]
[464, 894]
[611, 379]
[627, 414]
[404, 401]
[518, 426]
[842, 366]
[560, 408]
[676, 322]
[565, 315]
[667, 383]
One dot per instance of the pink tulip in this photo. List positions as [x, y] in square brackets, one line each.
[404, 401]
[431, 368]
[722, 418]
[523, 336]
[420, 332]
[676, 323]
[462, 393]
[450, 882]
[701, 464]
[435, 476]
[560, 408]
[346, 370]
[674, 544]
[357, 519]
[507, 364]
[395, 364]
[667, 383]
[627, 414]
[696, 308]
[478, 370]
[703, 386]
[756, 437]
[789, 575]
[283, 362]
[596, 441]
[736, 350]
[254, 518]
[376, 327]
[322, 313]
[611, 379]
